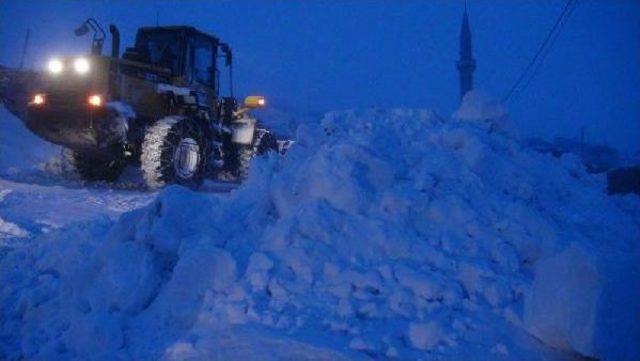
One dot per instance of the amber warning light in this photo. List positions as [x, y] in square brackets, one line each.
[95, 100]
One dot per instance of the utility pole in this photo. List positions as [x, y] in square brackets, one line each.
[24, 48]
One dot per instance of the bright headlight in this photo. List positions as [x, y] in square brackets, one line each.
[81, 65]
[55, 66]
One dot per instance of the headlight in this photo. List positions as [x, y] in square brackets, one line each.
[81, 65]
[55, 66]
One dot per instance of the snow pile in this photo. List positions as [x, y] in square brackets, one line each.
[9, 229]
[380, 234]
[20, 150]
[479, 107]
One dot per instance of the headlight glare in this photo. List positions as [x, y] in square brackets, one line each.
[55, 66]
[95, 100]
[38, 99]
[81, 65]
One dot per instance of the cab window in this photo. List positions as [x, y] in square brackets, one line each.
[162, 49]
[203, 53]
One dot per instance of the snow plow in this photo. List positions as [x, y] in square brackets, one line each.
[157, 107]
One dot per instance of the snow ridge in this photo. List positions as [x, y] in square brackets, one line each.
[381, 234]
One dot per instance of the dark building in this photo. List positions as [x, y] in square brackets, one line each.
[466, 64]
[597, 158]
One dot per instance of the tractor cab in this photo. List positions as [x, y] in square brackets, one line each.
[188, 54]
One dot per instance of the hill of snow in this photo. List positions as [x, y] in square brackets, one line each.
[381, 234]
[20, 150]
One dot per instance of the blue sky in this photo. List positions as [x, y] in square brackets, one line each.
[313, 56]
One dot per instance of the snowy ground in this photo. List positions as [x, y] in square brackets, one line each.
[383, 234]
[37, 193]
[40, 203]
[34, 209]
[36, 198]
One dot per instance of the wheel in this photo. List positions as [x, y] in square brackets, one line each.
[245, 154]
[263, 142]
[94, 168]
[174, 150]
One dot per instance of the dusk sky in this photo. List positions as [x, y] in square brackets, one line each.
[314, 56]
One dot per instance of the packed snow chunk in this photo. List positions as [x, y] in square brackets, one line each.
[20, 150]
[561, 308]
[97, 334]
[426, 336]
[581, 302]
[498, 293]
[361, 345]
[181, 351]
[175, 216]
[479, 107]
[127, 279]
[433, 287]
[464, 144]
[201, 273]
[258, 270]
[9, 230]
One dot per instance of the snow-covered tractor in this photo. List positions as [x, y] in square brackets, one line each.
[157, 107]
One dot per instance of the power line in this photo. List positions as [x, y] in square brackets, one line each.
[547, 50]
[550, 35]
[545, 53]
[542, 47]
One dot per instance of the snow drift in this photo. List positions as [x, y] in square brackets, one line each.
[20, 151]
[380, 234]
[479, 107]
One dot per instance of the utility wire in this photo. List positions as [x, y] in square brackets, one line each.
[546, 51]
[542, 47]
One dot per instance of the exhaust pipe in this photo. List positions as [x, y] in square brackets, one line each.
[115, 41]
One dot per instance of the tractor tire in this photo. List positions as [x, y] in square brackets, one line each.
[245, 154]
[263, 142]
[92, 168]
[174, 151]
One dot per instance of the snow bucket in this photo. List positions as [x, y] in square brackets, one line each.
[243, 129]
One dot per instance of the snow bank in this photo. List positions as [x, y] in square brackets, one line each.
[480, 108]
[20, 150]
[380, 234]
[587, 303]
[8, 230]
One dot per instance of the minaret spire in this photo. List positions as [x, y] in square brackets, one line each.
[466, 64]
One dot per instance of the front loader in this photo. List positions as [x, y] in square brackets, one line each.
[157, 107]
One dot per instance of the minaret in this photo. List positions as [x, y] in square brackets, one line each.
[466, 64]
